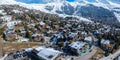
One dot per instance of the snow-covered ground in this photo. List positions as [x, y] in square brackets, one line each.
[118, 16]
[3, 57]
[107, 4]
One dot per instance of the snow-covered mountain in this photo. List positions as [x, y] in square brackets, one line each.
[108, 10]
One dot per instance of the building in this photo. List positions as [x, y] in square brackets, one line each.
[79, 47]
[88, 39]
[21, 39]
[57, 38]
[47, 53]
[73, 36]
[107, 45]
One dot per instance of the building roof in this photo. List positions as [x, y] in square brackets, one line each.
[42, 23]
[77, 45]
[47, 53]
[89, 38]
[103, 41]
[23, 40]
[84, 33]
[72, 35]
[59, 35]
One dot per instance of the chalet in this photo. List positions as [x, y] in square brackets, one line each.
[107, 45]
[21, 39]
[57, 38]
[73, 36]
[6, 18]
[9, 31]
[17, 11]
[47, 39]
[31, 26]
[88, 39]
[38, 38]
[78, 47]
[19, 26]
[11, 24]
[42, 24]
[11, 36]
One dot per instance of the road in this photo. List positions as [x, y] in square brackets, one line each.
[112, 56]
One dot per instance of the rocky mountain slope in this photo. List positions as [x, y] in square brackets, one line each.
[98, 10]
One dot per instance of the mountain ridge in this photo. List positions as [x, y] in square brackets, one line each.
[66, 8]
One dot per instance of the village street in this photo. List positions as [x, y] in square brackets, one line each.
[112, 56]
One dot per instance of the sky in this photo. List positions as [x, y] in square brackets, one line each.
[44, 1]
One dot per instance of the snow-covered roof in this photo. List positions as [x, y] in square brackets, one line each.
[28, 49]
[17, 11]
[6, 18]
[108, 30]
[7, 31]
[103, 41]
[88, 38]
[23, 40]
[77, 45]
[42, 23]
[3, 13]
[84, 33]
[47, 53]
[12, 23]
[59, 35]
[34, 35]
[72, 35]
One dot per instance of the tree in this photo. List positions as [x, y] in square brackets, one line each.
[28, 35]
[42, 40]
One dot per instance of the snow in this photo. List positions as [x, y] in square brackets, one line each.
[59, 35]
[8, 2]
[46, 52]
[84, 33]
[17, 11]
[23, 40]
[12, 23]
[34, 35]
[77, 45]
[103, 41]
[72, 35]
[42, 23]
[107, 4]
[6, 18]
[2, 12]
[4, 57]
[88, 38]
[118, 16]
